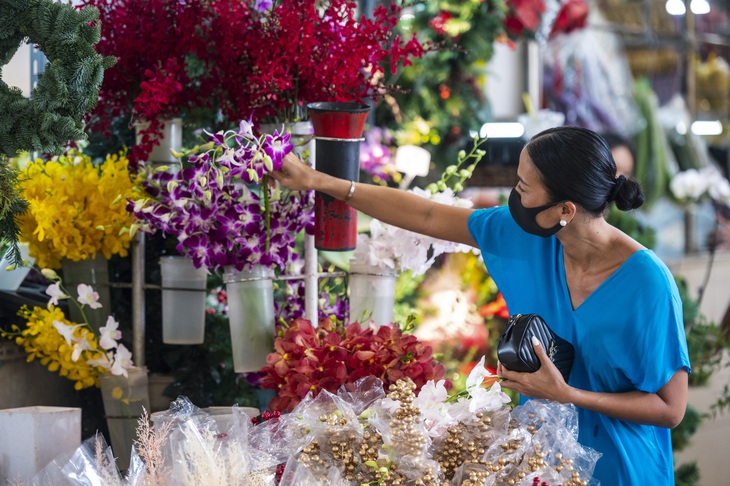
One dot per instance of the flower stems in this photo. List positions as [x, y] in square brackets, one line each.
[267, 212]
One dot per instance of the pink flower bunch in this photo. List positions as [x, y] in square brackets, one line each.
[309, 359]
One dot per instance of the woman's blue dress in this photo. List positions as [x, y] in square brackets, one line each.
[628, 335]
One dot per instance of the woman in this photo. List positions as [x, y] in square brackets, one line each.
[552, 253]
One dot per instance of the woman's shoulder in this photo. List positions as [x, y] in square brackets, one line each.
[647, 270]
[483, 222]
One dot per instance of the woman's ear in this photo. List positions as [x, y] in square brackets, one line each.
[568, 210]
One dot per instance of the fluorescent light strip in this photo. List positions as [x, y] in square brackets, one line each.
[502, 130]
[707, 127]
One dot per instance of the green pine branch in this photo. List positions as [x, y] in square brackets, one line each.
[11, 206]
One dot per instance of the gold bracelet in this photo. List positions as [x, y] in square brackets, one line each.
[350, 192]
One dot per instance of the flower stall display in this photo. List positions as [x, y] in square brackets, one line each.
[87, 356]
[360, 434]
[227, 218]
[147, 85]
[220, 207]
[321, 51]
[73, 349]
[76, 208]
[308, 359]
[77, 219]
[388, 250]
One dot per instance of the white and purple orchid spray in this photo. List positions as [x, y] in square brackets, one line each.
[220, 206]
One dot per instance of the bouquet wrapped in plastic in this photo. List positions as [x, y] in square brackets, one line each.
[361, 435]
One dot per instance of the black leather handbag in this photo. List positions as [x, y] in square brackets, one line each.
[515, 350]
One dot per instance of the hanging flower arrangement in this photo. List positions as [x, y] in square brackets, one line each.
[291, 52]
[151, 84]
[221, 208]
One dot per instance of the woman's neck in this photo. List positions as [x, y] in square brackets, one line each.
[589, 244]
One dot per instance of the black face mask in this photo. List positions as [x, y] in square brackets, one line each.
[525, 217]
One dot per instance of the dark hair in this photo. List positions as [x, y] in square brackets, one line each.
[576, 165]
[614, 140]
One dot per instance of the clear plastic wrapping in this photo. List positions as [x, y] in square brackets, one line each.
[359, 436]
[91, 464]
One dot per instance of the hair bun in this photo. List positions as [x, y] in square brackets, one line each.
[617, 185]
[628, 194]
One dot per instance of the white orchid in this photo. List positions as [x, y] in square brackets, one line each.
[54, 290]
[109, 334]
[80, 345]
[122, 361]
[431, 401]
[719, 190]
[482, 399]
[109, 354]
[65, 330]
[87, 296]
[689, 185]
[394, 248]
[105, 360]
[692, 185]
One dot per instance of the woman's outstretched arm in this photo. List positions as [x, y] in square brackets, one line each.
[391, 206]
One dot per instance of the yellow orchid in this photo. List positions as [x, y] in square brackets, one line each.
[76, 208]
[42, 341]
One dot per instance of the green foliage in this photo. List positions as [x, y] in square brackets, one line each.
[12, 205]
[687, 475]
[652, 147]
[68, 88]
[706, 345]
[442, 94]
[686, 429]
[723, 402]
[705, 340]
[455, 176]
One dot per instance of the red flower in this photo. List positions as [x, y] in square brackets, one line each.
[270, 64]
[155, 43]
[573, 15]
[324, 358]
[497, 308]
[437, 23]
[523, 15]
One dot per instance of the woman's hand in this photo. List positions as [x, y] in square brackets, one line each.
[295, 174]
[547, 382]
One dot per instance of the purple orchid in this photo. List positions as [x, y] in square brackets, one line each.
[216, 217]
[263, 6]
[277, 146]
